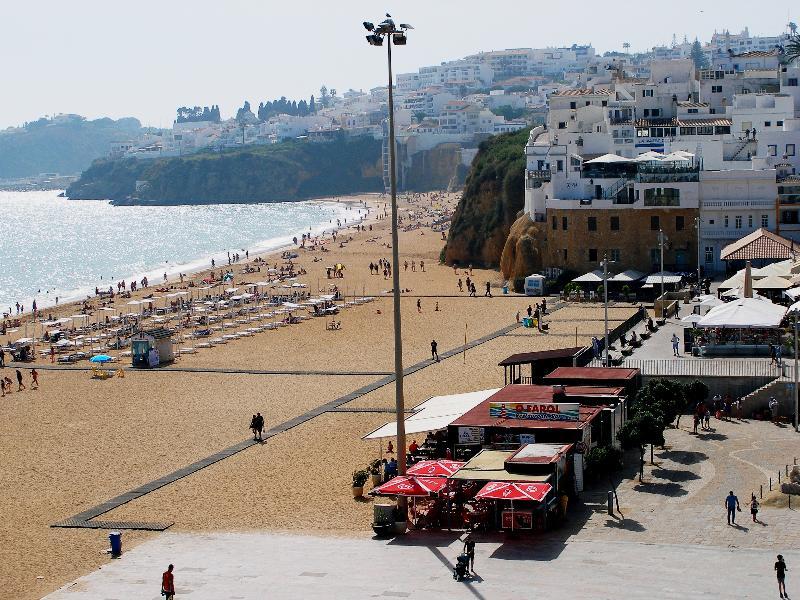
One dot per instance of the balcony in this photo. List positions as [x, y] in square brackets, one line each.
[667, 174]
[788, 199]
[737, 203]
[540, 175]
[722, 233]
[662, 200]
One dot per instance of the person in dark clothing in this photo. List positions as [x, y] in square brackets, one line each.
[544, 306]
[780, 571]
[259, 426]
[732, 505]
[469, 550]
[253, 426]
[20, 385]
[530, 310]
[2, 358]
[434, 351]
[488, 290]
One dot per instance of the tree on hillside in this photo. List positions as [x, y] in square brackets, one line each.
[312, 105]
[698, 56]
[323, 96]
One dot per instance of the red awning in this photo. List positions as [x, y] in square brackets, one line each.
[435, 468]
[410, 486]
[505, 490]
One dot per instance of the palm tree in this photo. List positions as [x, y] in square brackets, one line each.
[793, 48]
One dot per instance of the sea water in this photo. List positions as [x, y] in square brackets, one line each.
[51, 246]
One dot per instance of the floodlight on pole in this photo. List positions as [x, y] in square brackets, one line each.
[397, 35]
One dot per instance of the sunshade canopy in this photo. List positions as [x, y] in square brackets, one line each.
[591, 277]
[607, 158]
[629, 275]
[508, 490]
[668, 277]
[772, 282]
[410, 486]
[489, 465]
[435, 468]
[745, 313]
[793, 293]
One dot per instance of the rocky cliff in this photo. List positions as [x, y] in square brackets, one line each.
[522, 253]
[494, 194]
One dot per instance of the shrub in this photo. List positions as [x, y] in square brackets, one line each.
[360, 477]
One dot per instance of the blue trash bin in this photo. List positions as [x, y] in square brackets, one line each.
[115, 537]
[505, 289]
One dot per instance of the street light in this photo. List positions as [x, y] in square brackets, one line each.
[604, 264]
[661, 238]
[396, 34]
[697, 222]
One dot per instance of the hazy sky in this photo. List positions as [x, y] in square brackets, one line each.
[144, 58]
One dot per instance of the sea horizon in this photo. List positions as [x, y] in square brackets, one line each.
[86, 244]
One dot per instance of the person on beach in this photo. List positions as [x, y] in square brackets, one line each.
[419, 305]
[780, 571]
[434, 351]
[168, 583]
[20, 385]
[675, 343]
[488, 290]
[2, 358]
[52, 354]
[732, 505]
[253, 426]
[530, 311]
[259, 426]
[460, 285]
[34, 379]
[422, 266]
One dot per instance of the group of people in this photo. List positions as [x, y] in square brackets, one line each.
[257, 427]
[6, 383]
[723, 408]
[382, 264]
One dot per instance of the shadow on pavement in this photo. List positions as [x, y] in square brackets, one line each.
[427, 537]
[669, 489]
[626, 524]
[674, 476]
[712, 436]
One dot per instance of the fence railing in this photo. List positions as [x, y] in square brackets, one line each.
[703, 368]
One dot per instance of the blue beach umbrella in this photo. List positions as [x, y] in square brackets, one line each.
[100, 358]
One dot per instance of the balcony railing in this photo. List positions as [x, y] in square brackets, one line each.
[667, 174]
[540, 175]
[662, 201]
[737, 203]
[784, 199]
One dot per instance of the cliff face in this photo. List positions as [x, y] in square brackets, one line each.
[281, 172]
[494, 193]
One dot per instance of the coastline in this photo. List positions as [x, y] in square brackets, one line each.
[201, 264]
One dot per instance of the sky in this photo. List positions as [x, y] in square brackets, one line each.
[145, 58]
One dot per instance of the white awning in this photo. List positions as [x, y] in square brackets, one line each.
[436, 413]
[607, 159]
[771, 282]
[793, 293]
[668, 278]
[629, 275]
[592, 277]
[745, 313]
[732, 282]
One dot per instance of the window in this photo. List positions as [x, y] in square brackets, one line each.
[614, 226]
[647, 93]
[709, 254]
[559, 165]
[792, 82]
[789, 149]
[614, 255]
[750, 221]
[738, 222]
[654, 223]
[767, 123]
[588, 103]
[778, 123]
[765, 220]
[564, 223]
[592, 254]
[716, 89]
[604, 103]
[692, 111]
[655, 256]
[726, 220]
[747, 125]
[711, 221]
[564, 252]
[573, 105]
[591, 223]
[679, 223]
[562, 125]
[772, 150]
[555, 224]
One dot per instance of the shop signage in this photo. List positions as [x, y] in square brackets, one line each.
[516, 519]
[538, 411]
[470, 435]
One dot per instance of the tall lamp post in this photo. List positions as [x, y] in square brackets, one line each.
[697, 222]
[604, 264]
[394, 34]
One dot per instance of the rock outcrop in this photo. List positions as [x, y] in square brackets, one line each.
[494, 194]
[523, 250]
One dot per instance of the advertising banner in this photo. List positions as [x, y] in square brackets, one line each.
[538, 411]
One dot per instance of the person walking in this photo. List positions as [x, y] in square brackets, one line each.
[253, 426]
[34, 379]
[168, 583]
[732, 505]
[754, 508]
[20, 385]
[259, 426]
[488, 290]
[469, 550]
[530, 310]
[419, 305]
[434, 351]
[2, 358]
[675, 343]
[780, 571]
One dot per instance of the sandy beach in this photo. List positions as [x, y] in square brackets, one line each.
[77, 441]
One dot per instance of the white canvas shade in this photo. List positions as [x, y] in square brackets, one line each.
[591, 277]
[608, 159]
[772, 282]
[668, 278]
[745, 313]
[627, 276]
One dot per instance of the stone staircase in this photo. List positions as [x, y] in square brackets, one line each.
[758, 400]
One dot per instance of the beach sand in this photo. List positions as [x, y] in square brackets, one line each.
[77, 442]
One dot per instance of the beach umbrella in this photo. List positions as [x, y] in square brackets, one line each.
[692, 318]
[101, 358]
[410, 486]
[509, 490]
[435, 468]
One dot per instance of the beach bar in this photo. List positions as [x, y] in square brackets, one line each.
[151, 348]
[539, 363]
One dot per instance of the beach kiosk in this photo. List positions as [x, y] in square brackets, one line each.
[151, 348]
[534, 285]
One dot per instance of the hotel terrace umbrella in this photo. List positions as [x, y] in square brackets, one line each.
[772, 282]
[507, 490]
[410, 486]
[608, 158]
[435, 468]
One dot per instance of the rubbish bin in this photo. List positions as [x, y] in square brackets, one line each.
[505, 289]
[115, 537]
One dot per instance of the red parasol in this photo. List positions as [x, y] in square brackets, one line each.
[435, 468]
[410, 486]
[506, 490]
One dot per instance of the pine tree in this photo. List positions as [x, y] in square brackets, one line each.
[312, 105]
[698, 56]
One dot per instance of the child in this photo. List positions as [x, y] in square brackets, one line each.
[754, 508]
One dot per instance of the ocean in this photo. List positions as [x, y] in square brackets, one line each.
[51, 246]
